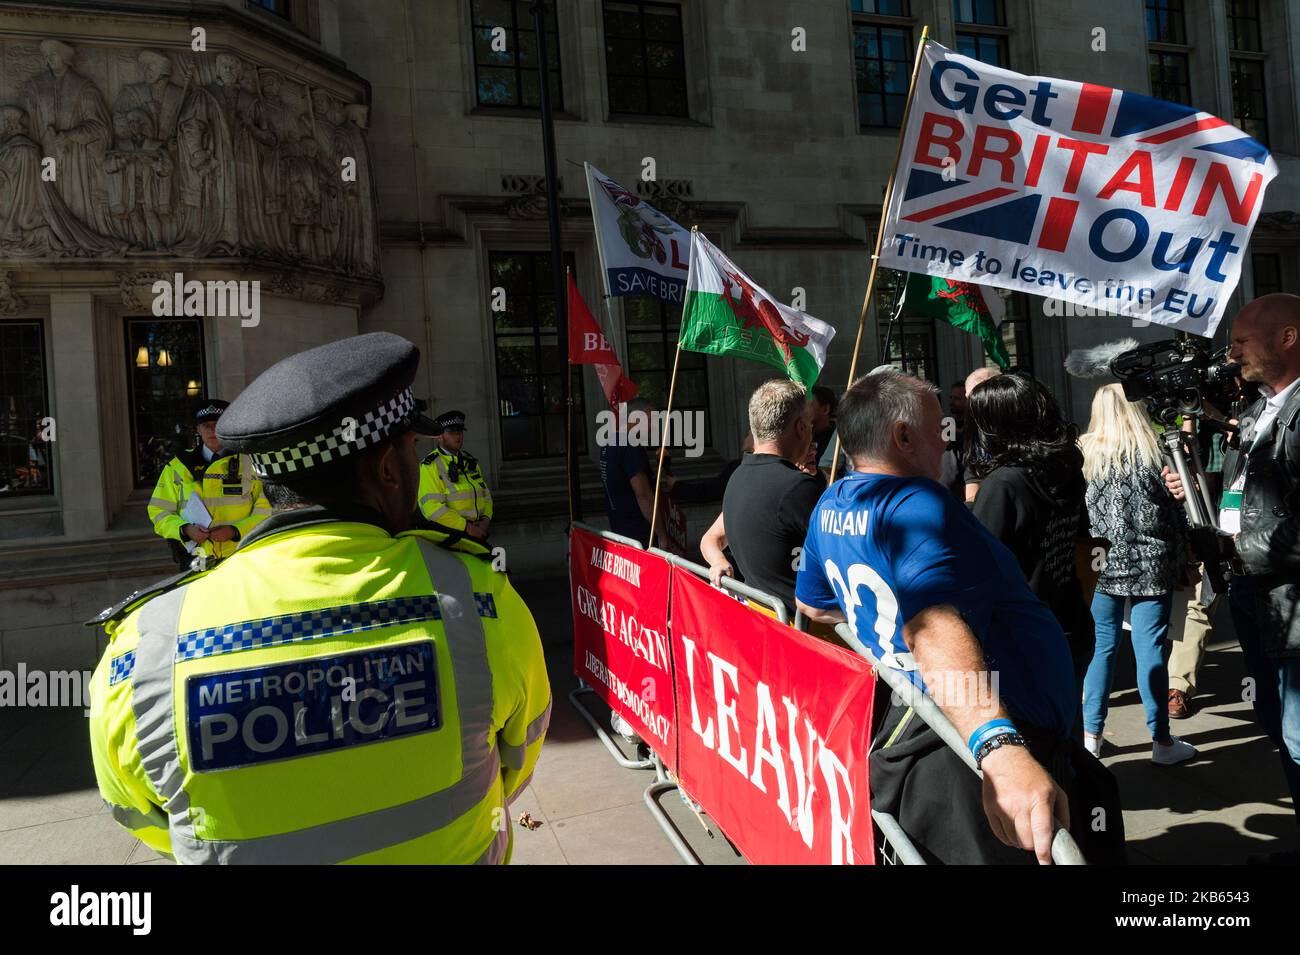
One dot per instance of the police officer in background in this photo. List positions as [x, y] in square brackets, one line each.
[343, 688]
[225, 483]
[452, 490]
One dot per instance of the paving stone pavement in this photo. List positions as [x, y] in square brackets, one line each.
[1229, 803]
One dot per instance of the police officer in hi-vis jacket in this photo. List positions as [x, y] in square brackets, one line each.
[342, 688]
[452, 490]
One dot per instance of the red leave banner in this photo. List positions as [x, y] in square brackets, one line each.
[774, 731]
[620, 634]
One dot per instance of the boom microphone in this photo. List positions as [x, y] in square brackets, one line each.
[1095, 362]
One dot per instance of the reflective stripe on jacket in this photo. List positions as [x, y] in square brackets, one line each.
[228, 489]
[453, 503]
[329, 694]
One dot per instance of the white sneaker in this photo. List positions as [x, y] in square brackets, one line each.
[1092, 743]
[1175, 751]
[623, 728]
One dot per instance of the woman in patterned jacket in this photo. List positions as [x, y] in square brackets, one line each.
[1128, 506]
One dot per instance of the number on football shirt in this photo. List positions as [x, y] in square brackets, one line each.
[885, 625]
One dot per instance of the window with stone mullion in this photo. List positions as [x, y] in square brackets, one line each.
[987, 48]
[1166, 21]
[279, 7]
[982, 12]
[882, 57]
[1243, 26]
[891, 8]
[166, 382]
[26, 458]
[645, 58]
[1249, 101]
[1266, 268]
[530, 364]
[1170, 76]
[507, 77]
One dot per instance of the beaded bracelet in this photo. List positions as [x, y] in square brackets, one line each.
[997, 742]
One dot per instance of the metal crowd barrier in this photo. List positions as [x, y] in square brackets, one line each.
[575, 698]
[666, 782]
[898, 847]
[1065, 851]
[731, 586]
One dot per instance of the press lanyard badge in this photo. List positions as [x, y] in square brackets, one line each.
[1230, 504]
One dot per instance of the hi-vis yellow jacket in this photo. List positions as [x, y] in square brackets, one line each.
[227, 487]
[452, 489]
[330, 693]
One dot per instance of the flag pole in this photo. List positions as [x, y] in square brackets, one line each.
[880, 233]
[561, 288]
[663, 442]
[608, 298]
[568, 410]
[895, 311]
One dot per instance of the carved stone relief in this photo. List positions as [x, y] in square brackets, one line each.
[136, 287]
[672, 197]
[1287, 221]
[528, 199]
[178, 153]
[10, 301]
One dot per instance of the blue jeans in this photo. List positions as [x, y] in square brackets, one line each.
[1150, 621]
[1277, 683]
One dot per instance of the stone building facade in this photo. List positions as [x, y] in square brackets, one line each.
[769, 124]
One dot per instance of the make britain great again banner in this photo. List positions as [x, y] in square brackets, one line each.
[1111, 200]
[620, 634]
[774, 729]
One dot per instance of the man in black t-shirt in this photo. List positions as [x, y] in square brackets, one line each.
[768, 500]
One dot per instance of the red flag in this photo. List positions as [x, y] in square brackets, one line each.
[589, 346]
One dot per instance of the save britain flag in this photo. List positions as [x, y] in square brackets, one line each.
[642, 251]
[1108, 199]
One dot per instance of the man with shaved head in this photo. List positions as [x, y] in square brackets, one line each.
[1261, 510]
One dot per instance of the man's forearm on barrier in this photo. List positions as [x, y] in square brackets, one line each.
[1021, 800]
[942, 645]
[831, 616]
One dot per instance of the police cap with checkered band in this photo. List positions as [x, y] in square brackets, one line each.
[311, 410]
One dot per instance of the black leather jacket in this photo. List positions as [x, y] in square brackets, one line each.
[1269, 543]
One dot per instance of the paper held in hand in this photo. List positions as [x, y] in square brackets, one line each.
[196, 512]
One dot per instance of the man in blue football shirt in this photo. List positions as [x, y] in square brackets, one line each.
[933, 594]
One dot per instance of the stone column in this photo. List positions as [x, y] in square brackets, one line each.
[79, 444]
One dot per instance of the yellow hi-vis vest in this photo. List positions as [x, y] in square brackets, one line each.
[453, 503]
[328, 694]
[227, 488]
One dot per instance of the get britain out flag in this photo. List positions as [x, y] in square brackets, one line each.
[1111, 200]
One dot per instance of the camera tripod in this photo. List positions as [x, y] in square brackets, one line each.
[1207, 540]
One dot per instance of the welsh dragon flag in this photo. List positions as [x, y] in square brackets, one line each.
[963, 305]
[726, 313]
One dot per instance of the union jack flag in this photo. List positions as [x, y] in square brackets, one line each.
[1125, 121]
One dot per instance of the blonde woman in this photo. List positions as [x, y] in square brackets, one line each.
[1128, 506]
